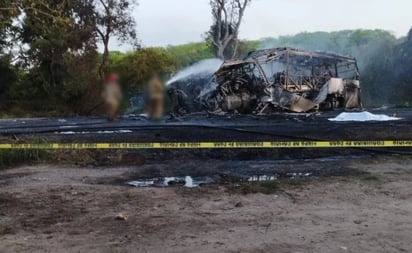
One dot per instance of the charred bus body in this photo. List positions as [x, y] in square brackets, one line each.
[270, 81]
[283, 79]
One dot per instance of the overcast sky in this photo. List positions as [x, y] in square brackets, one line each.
[172, 22]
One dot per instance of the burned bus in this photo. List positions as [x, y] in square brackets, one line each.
[274, 80]
[283, 79]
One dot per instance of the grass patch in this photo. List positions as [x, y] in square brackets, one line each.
[16, 157]
[12, 157]
[77, 157]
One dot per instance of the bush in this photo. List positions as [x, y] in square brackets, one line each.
[136, 68]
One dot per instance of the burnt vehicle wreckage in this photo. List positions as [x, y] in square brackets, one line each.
[274, 80]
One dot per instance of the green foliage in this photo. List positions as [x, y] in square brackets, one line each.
[51, 38]
[113, 18]
[402, 82]
[190, 53]
[347, 42]
[115, 57]
[15, 156]
[8, 11]
[8, 76]
[136, 68]
[59, 44]
[246, 46]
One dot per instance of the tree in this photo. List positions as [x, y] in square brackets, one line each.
[42, 42]
[8, 12]
[8, 75]
[68, 30]
[402, 71]
[58, 52]
[227, 17]
[114, 18]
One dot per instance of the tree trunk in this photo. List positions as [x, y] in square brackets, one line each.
[235, 49]
[221, 52]
[105, 62]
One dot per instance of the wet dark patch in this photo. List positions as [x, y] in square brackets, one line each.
[269, 187]
[234, 172]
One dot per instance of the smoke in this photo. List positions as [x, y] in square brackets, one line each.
[361, 44]
[201, 68]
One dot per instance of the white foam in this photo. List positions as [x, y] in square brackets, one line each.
[362, 117]
[189, 182]
[68, 132]
[98, 132]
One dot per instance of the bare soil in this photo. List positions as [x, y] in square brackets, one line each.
[51, 208]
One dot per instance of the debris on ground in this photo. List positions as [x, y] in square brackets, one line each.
[121, 216]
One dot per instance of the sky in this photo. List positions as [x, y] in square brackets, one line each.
[173, 22]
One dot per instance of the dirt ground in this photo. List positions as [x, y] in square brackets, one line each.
[51, 208]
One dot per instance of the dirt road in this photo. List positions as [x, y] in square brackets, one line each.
[51, 208]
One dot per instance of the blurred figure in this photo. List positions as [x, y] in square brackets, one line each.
[178, 98]
[156, 98]
[112, 96]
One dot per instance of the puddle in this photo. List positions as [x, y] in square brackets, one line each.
[193, 182]
[263, 178]
[187, 181]
[141, 183]
[298, 175]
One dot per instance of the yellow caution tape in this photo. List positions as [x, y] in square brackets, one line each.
[216, 145]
